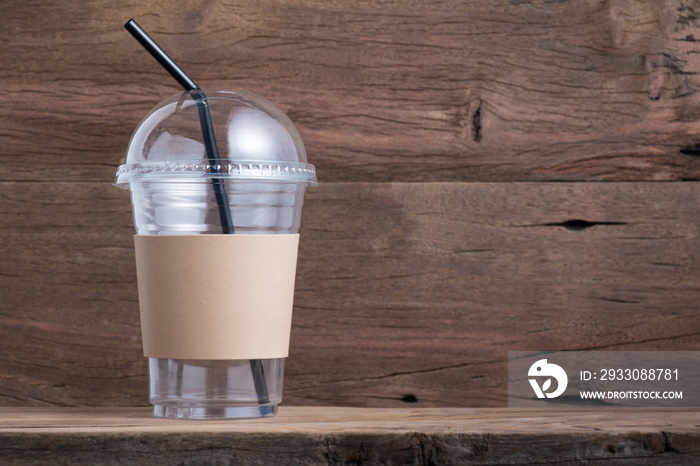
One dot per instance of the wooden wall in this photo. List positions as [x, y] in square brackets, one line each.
[495, 175]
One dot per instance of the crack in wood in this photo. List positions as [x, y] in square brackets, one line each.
[476, 122]
[668, 447]
[693, 150]
[387, 376]
[579, 225]
[635, 342]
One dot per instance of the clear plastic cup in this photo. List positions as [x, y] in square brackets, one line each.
[263, 171]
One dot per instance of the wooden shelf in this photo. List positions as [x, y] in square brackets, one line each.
[332, 435]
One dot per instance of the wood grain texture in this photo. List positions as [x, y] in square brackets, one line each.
[405, 291]
[328, 435]
[473, 90]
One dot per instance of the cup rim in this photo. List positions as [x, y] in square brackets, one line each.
[163, 171]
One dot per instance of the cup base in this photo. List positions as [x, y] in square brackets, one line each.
[215, 389]
[214, 412]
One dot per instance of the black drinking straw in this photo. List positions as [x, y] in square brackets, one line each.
[186, 82]
[204, 117]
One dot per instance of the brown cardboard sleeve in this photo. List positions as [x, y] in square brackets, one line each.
[216, 296]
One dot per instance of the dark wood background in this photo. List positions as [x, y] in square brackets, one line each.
[495, 175]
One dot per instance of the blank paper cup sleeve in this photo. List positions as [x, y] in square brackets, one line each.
[216, 296]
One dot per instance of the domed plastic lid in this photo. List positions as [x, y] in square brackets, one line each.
[255, 140]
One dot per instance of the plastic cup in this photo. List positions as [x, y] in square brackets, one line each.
[264, 172]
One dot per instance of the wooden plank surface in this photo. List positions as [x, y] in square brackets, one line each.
[472, 90]
[406, 292]
[331, 435]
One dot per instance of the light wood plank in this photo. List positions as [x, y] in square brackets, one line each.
[331, 435]
[414, 289]
[471, 90]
